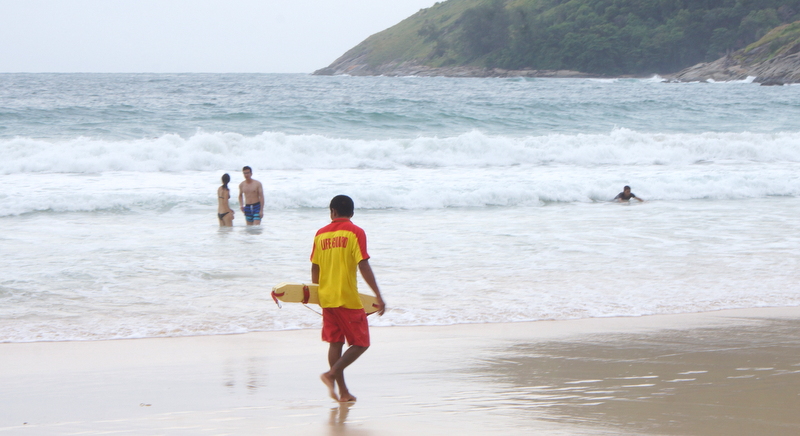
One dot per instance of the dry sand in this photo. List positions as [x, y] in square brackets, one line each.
[727, 373]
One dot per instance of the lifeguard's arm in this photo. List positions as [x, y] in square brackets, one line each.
[639, 199]
[241, 197]
[315, 273]
[369, 277]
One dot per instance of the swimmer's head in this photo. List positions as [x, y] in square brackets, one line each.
[626, 188]
[247, 171]
[225, 179]
[343, 206]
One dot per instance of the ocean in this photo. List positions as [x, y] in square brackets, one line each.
[484, 200]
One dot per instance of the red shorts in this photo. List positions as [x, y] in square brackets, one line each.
[339, 323]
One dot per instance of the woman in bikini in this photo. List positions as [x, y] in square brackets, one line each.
[224, 211]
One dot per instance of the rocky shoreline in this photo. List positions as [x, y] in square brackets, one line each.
[773, 60]
[777, 71]
[401, 69]
[780, 70]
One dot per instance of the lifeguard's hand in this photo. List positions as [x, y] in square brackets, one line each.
[381, 307]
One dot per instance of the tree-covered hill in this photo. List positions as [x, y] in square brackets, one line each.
[774, 60]
[602, 37]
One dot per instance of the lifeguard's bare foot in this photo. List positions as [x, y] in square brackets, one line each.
[329, 381]
[347, 398]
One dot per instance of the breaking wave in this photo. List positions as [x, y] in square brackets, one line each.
[279, 151]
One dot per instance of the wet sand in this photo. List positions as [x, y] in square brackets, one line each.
[729, 372]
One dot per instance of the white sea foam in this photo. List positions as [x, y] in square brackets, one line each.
[271, 150]
[401, 188]
[119, 192]
[470, 170]
[747, 80]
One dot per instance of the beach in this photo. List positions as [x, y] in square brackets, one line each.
[734, 372]
[522, 299]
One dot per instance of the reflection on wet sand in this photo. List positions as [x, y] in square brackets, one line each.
[339, 425]
[249, 374]
[731, 373]
[740, 380]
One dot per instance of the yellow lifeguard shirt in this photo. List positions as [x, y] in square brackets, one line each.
[338, 248]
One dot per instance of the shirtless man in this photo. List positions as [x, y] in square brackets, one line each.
[626, 195]
[251, 198]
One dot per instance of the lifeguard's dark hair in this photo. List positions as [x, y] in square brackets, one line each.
[246, 168]
[225, 179]
[343, 205]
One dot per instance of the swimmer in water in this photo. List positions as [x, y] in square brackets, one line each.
[626, 195]
[224, 211]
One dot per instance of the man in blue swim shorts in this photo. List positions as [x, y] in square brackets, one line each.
[252, 213]
[251, 198]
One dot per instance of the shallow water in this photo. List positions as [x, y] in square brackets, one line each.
[96, 275]
[480, 203]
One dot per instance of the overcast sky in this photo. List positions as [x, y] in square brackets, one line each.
[164, 36]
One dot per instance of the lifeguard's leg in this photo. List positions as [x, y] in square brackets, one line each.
[339, 364]
[334, 354]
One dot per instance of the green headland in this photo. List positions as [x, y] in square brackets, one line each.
[566, 38]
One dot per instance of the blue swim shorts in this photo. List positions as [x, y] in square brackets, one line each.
[252, 212]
